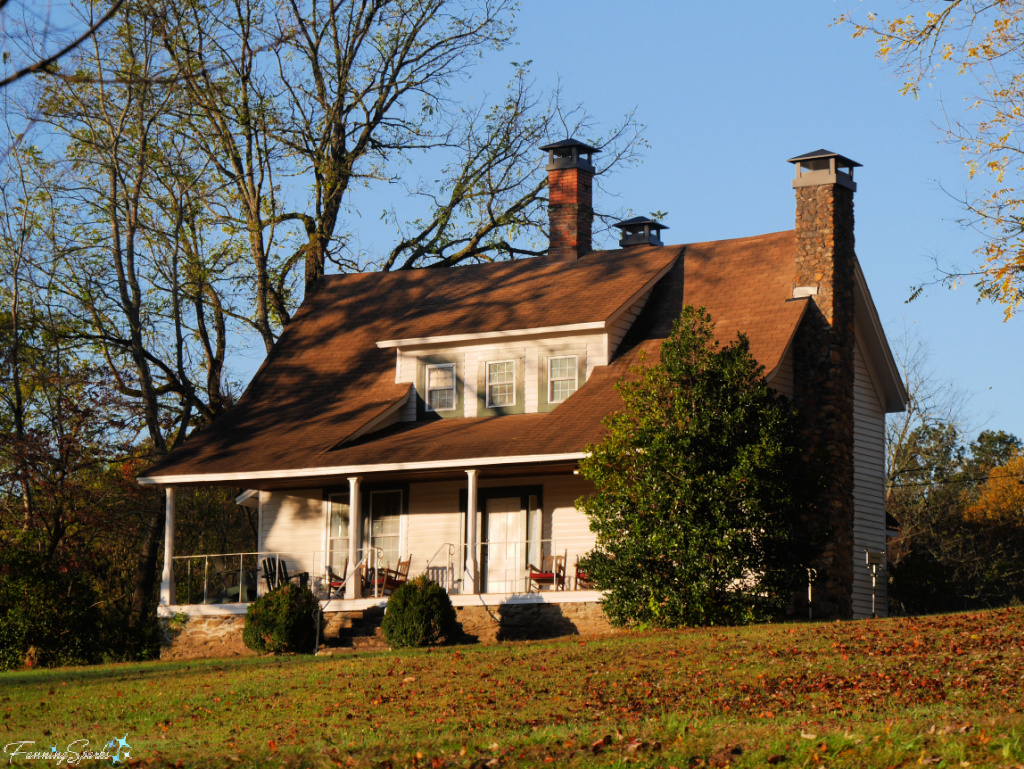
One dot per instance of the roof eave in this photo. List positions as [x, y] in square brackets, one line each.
[877, 346]
[341, 471]
[804, 304]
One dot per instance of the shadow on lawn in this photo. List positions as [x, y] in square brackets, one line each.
[127, 671]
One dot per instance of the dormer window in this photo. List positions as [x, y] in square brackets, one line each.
[441, 387]
[501, 384]
[562, 378]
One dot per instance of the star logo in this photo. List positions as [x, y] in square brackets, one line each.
[120, 743]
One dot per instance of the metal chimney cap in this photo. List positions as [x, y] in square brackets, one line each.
[640, 231]
[824, 167]
[841, 160]
[638, 221]
[568, 153]
[566, 143]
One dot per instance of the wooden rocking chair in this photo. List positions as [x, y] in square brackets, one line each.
[336, 584]
[551, 572]
[388, 580]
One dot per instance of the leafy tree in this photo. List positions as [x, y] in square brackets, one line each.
[980, 40]
[701, 487]
[961, 541]
[1000, 499]
[48, 615]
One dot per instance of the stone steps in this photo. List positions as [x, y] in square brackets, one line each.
[355, 630]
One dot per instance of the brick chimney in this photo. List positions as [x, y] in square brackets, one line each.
[824, 357]
[570, 199]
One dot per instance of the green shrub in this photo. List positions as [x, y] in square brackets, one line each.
[49, 613]
[282, 620]
[419, 613]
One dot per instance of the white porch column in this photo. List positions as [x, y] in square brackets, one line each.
[471, 577]
[353, 588]
[167, 585]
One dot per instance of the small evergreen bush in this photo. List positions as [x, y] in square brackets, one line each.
[419, 613]
[282, 620]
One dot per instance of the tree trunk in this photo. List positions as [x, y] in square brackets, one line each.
[145, 571]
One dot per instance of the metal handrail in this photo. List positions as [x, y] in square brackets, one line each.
[450, 565]
[451, 553]
[378, 553]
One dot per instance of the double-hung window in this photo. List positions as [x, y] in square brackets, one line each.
[562, 378]
[501, 383]
[338, 534]
[441, 387]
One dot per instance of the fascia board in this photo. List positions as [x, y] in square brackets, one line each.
[245, 496]
[877, 346]
[372, 424]
[805, 303]
[610, 320]
[483, 336]
[349, 470]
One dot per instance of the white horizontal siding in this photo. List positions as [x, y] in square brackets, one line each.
[781, 379]
[470, 399]
[570, 529]
[868, 488]
[531, 381]
[406, 369]
[293, 524]
[434, 519]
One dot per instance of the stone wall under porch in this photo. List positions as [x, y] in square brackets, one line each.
[217, 631]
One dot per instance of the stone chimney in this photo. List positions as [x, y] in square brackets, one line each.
[570, 199]
[823, 364]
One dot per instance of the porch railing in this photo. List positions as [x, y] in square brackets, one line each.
[240, 577]
[503, 567]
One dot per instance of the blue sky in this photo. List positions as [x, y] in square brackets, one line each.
[728, 92]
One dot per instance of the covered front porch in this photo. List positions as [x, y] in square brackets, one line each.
[352, 539]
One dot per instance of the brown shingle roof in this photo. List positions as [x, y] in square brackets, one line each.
[326, 378]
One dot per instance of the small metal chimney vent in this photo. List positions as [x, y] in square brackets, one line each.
[640, 231]
[569, 153]
[824, 167]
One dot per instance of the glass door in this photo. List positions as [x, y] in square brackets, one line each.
[337, 536]
[383, 526]
[502, 540]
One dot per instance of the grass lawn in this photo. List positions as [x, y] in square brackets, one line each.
[946, 691]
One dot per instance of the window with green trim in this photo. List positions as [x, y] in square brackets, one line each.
[441, 387]
[562, 378]
[501, 383]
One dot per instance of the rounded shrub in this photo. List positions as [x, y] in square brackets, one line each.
[419, 613]
[282, 621]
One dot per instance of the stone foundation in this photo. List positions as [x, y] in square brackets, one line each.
[221, 636]
[531, 621]
[201, 637]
